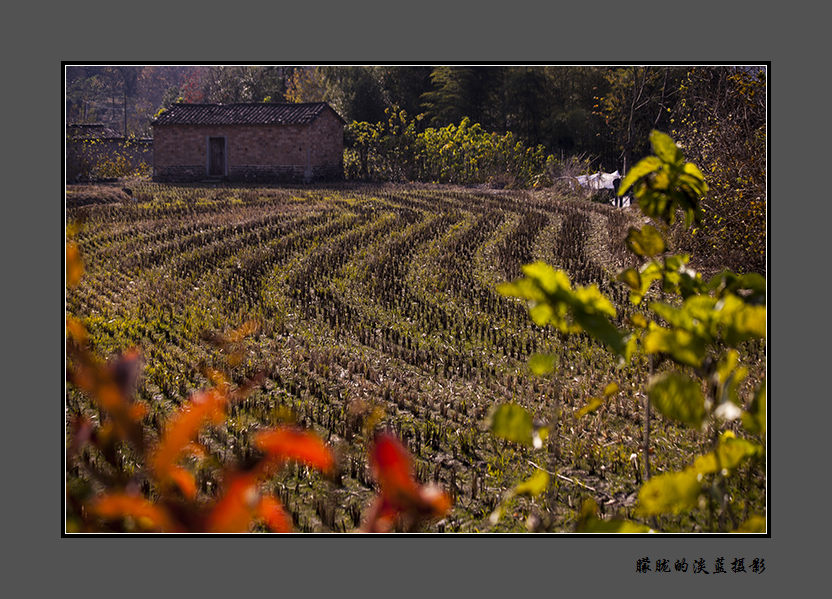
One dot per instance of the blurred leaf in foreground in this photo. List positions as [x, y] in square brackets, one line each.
[402, 499]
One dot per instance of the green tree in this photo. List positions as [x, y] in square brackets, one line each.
[354, 92]
[459, 92]
[700, 329]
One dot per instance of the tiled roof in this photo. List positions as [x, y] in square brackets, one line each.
[263, 113]
[91, 131]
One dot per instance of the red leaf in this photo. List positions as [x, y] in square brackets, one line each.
[401, 494]
[381, 516]
[292, 444]
[393, 469]
[205, 407]
[236, 508]
[272, 512]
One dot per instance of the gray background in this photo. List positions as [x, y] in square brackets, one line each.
[364, 33]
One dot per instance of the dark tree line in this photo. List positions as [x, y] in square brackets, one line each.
[604, 113]
[601, 114]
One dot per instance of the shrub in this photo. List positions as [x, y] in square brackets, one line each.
[462, 154]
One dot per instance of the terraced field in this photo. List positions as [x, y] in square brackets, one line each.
[373, 303]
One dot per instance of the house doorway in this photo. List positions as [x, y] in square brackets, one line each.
[216, 156]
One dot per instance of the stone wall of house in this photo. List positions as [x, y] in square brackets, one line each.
[253, 152]
[91, 158]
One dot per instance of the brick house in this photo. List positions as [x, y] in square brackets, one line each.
[248, 142]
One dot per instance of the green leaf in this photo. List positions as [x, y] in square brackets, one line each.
[649, 272]
[638, 320]
[614, 526]
[729, 453]
[755, 523]
[643, 167]
[670, 493]
[592, 405]
[610, 389]
[513, 423]
[750, 287]
[679, 397]
[534, 485]
[631, 278]
[729, 375]
[693, 170]
[542, 364]
[665, 148]
[553, 301]
[739, 320]
[647, 242]
[547, 277]
[684, 347]
[602, 329]
[588, 521]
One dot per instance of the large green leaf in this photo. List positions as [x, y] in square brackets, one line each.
[670, 493]
[755, 523]
[665, 148]
[534, 485]
[729, 375]
[592, 405]
[750, 287]
[643, 167]
[600, 327]
[644, 277]
[740, 321]
[547, 277]
[684, 347]
[679, 397]
[589, 522]
[513, 423]
[730, 452]
[613, 526]
[542, 364]
[631, 278]
[553, 301]
[647, 241]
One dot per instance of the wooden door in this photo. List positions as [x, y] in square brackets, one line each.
[216, 156]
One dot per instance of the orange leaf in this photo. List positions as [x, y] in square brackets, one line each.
[196, 450]
[184, 480]
[244, 330]
[75, 330]
[292, 444]
[120, 505]
[272, 512]
[204, 407]
[235, 509]
[435, 500]
[74, 264]
[137, 411]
